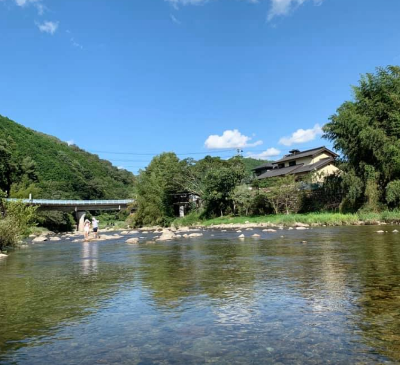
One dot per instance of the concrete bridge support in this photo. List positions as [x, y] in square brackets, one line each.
[80, 216]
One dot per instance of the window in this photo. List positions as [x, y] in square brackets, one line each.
[292, 163]
[281, 166]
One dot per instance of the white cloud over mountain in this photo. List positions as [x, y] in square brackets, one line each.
[270, 152]
[302, 136]
[230, 139]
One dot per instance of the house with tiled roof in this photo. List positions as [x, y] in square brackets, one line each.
[317, 161]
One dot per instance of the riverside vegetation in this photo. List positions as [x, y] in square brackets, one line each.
[366, 131]
[41, 165]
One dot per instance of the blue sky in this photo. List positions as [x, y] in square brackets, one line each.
[139, 77]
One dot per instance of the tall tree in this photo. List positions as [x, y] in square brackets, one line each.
[155, 187]
[367, 132]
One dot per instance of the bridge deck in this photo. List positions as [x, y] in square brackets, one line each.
[74, 203]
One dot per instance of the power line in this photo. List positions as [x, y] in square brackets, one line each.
[155, 154]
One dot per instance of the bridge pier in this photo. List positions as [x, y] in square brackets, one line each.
[80, 216]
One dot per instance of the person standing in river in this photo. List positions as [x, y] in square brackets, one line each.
[95, 224]
[86, 229]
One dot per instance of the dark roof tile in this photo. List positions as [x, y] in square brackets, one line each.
[312, 152]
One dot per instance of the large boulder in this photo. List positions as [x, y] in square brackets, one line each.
[192, 235]
[298, 224]
[166, 235]
[40, 239]
[132, 241]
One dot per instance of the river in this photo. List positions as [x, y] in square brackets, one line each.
[213, 299]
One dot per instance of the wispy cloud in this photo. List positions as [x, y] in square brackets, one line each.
[176, 3]
[48, 27]
[75, 43]
[174, 19]
[284, 7]
[270, 152]
[302, 136]
[38, 4]
[230, 139]
[278, 7]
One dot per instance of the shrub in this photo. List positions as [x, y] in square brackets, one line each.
[15, 220]
[9, 233]
[393, 193]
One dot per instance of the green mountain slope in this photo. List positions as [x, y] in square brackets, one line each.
[60, 171]
[251, 163]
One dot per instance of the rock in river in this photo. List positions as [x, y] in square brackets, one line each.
[132, 240]
[40, 239]
[166, 235]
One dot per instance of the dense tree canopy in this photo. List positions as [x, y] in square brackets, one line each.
[155, 187]
[32, 162]
[366, 131]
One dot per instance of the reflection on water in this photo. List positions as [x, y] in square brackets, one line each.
[89, 258]
[210, 300]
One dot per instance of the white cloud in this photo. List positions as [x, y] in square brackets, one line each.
[48, 27]
[71, 142]
[270, 152]
[37, 3]
[302, 136]
[230, 139]
[284, 7]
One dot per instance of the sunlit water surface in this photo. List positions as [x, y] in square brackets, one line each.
[213, 299]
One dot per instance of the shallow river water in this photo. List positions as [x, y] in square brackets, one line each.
[213, 299]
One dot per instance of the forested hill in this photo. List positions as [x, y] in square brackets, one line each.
[33, 162]
[251, 163]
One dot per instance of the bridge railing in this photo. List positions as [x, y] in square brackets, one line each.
[72, 202]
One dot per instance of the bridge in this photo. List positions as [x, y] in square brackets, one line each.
[78, 206]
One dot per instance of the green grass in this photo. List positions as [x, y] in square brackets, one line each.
[328, 219]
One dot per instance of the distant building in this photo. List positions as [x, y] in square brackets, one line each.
[317, 160]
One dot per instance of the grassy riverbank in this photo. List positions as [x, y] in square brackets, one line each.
[328, 219]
